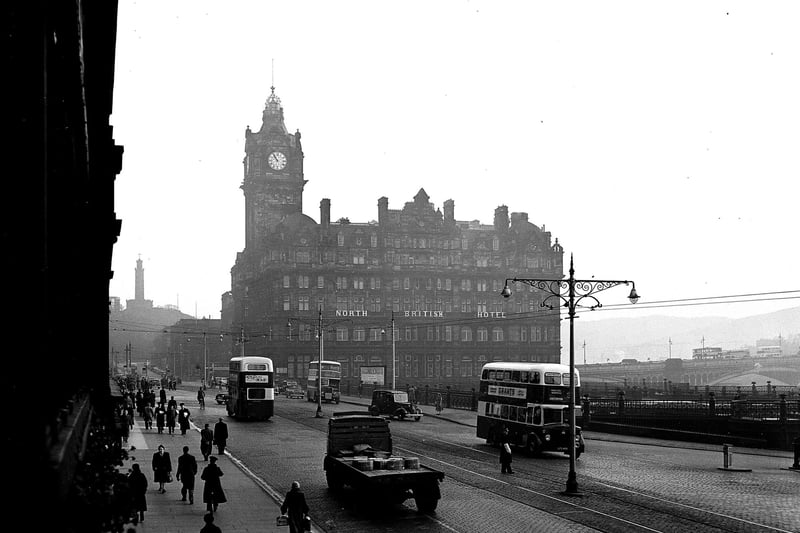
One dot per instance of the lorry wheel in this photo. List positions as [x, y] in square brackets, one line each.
[334, 483]
[400, 414]
[426, 500]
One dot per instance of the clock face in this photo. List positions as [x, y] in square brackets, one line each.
[276, 160]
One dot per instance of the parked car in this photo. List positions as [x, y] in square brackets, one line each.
[393, 404]
[295, 391]
[222, 398]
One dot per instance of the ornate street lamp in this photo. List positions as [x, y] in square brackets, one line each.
[570, 293]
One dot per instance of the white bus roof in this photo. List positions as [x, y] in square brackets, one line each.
[253, 359]
[529, 367]
[324, 362]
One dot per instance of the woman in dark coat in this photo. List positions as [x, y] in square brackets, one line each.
[295, 507]
[162, 466]
[213, 495]
[138, 487]
[505, 452]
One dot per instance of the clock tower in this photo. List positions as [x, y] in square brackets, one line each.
[273, 174]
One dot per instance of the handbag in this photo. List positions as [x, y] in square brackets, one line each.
[169, 477]
[282, 520]
[306, 523]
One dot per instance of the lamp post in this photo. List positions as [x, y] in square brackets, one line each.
[571, 292]
[321, 339]
[394, 369]
[205, 361]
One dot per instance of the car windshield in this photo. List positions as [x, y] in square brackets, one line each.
[401, 397]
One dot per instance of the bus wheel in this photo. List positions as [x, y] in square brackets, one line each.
[533, 447]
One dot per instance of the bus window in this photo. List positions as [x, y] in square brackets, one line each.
[256, 367]
[256, 394]
[485, 374]
[552, 378]
[515, 376]
[521, 414]
[535, 378]
[537, 415]
[565, 377]
[524, 377]
[512, 413]
[504, 412]
[507, 375]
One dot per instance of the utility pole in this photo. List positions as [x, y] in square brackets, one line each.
[670, 347]
[584, 352]
[205, 361]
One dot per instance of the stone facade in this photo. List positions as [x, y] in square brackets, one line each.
[436, 279]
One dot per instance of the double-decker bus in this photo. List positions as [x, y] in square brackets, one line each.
[251, 392]
[331, 376]
[532, 401]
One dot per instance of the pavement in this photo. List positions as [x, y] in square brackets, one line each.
[252, 504]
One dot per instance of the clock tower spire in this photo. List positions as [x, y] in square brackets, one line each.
[273, 173]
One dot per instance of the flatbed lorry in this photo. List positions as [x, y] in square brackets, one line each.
[359, 455]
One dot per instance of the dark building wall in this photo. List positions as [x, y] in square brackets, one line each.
[58, 230]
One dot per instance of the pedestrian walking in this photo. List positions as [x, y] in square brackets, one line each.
[161, 418]
[295, 507]
[162, 395]
[137, 482]
[172, 402]
[183, 419]
[129, 413]
[172, 417]
[213, 495]
[210, 526]
[162, 468]
[221, 436]
[124, 426]
[439, 403]
[187, 469]
[206, 441]
[201, 398]
[148, 416]
[505, 452]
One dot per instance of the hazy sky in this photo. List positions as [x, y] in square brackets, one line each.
[658, 141]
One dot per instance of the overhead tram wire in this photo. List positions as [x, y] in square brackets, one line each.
[659, 304]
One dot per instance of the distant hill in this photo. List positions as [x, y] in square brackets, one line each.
[649, 337]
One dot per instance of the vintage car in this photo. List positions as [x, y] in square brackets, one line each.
[393, 404]
[221, 398]
[295, 391]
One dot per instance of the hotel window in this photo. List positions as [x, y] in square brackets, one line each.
[358, 334]
[341, 334]
[375, 334]
[464, 244]
[375, 305]
[302, 282]
[406, 283]
[466, 367]
[340, 239]
[303, 303]
[448, 367]
[341, 283]
[286, 282]
[482, 262]
[495, 244]
[448, 334]
[536, 334]
[286, 304]
[447, 285]
[497, 334]
[481, 306]
[466, 285]
[373, 240]
[408, 334]
[396, 284]
[481, 285]
[303, 257]
[305, 332]
[320, 282]
[430, 333]
[438, 284]
[358, 258]
[358, 283]
[524, 334]
[466, 334]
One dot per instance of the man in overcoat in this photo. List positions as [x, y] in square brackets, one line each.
[295, 507]
[213, 495]
[187, 469]
[221, 436]
[183, 419]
